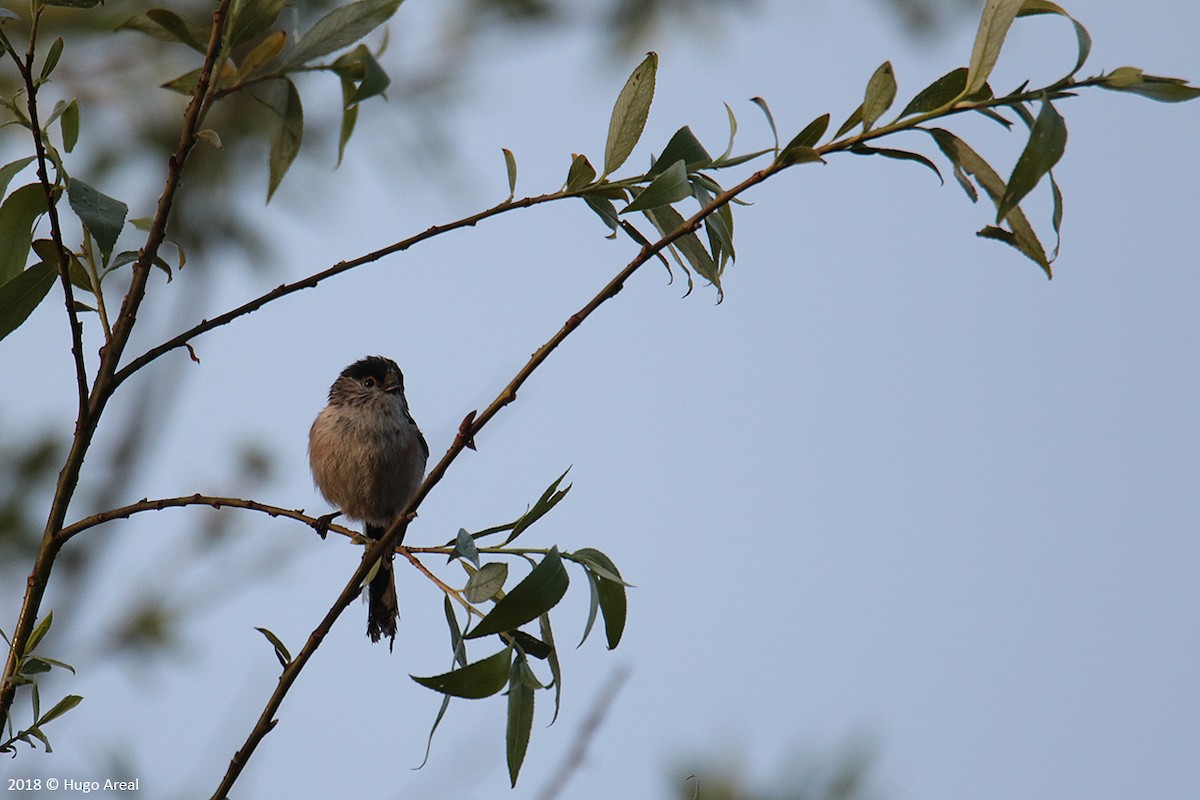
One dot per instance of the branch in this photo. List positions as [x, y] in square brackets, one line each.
[388, 540]
[103, 385]
[588, 729]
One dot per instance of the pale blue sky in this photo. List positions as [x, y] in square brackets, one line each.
[898, 487]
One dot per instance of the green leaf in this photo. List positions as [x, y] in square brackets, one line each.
[1022, 235]
[806, 138]
[17, 215]
[940, 93]
[349, 117]
[464, 547]
[630, 113]
[1164, 90]
[38, 633]
[536, 594]
[666, 219]
[1032, 7]
[456, 639]
[610, 591]
[281, 651]
[70, 126]
[47, 251]
[486, 582]
[1056, 216]
[189, 33]
[286, 128]
[10, 170]
[552, 658]
[254, 17]
[902, 155]
[850, 122]
[997, 18]
[521, 686]
[549, 499]
[733, 126]
[762, 104]
[21, 295]
[1047, 141]
[52, 57]
[685, 147]
[375, 80]
[604, 209]
[510, 166]
[580, 174]
[879, 96]
[104, 216]
[34, 666]
[73, 4]
[481, 679]
[669, 187]
[264, 53]
[60, 708]
[340, 28]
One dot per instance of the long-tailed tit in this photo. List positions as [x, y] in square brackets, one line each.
[368, 458]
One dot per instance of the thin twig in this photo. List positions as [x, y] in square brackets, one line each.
[583, 738]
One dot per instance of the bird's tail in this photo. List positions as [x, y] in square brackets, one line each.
[383, 609]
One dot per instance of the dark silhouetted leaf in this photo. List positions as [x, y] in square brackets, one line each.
[521, 686]
[902, 155]
[944, 90]
[481, 679]
[580, 174]
[286, 128]
[1047, 141]
[685, 147]
[104, 216]
[536, 594]
[281, 651]
[670, 186]
[17, 215]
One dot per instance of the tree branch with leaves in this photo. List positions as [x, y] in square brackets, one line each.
[678, 212]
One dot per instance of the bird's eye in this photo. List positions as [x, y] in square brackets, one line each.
[369, 382]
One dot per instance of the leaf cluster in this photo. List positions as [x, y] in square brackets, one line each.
[30, 664]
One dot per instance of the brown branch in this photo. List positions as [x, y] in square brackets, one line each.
[388, 541]
[104, 385]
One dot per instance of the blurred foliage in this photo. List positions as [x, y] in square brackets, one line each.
[843, 774]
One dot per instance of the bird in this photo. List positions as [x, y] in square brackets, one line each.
[368, 458]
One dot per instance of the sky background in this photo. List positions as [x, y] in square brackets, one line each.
[898, 492]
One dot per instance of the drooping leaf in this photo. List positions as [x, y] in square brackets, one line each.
[341, 27]
[604, 209]
[902, 155]
[685, 147]
[464, 547]
[762, 104]
[281, 651]
[670, 186]
[521, 686]
[1083, 40]
[666, 219]
[944, 90]
[486, 582]
[1047, 141]
[1056, 215]
[456, 638]
[286, 128]
[879, 96]
[481, 679]
[104, 216]
[17, 215]
[630, 113]
[537, 593]
[610, 592]
[997, 18]
[375, 80]
[733, 126]
[552, 658]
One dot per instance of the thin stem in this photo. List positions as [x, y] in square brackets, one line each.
[89, 254]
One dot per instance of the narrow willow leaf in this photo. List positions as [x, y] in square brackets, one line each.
[762, 104]
[604, 209]
[580, 174]
[456, 638]
[854, 119]
[630, 113]
[1083, 40]
[521, 686]
[879, 96]
[264, 53]
[52, 57]
[17, 215]
[611, 595]
[997, 18]
[940, 93]
[9, 171]
[341, 27]
[60, 708]
[510, 166]
[254, 17]
[667, 219]
[1164, 90]
[189, 33]
[286, 128]
[47, 251]
[70, 126]
[481, 679]
[536, 594]
[669, 187]
[806, 138]
[552, 658]
[732, 133]
[593, 608]
[38, 633]
[685, 147]
[1022, 235]
[1047, 141]
[719, 225]
[902, 155]
[104, 216]
[281, 651]
[485, 583]
[437, 720]
[349, 116]
[1056, 216]
[549, 499]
